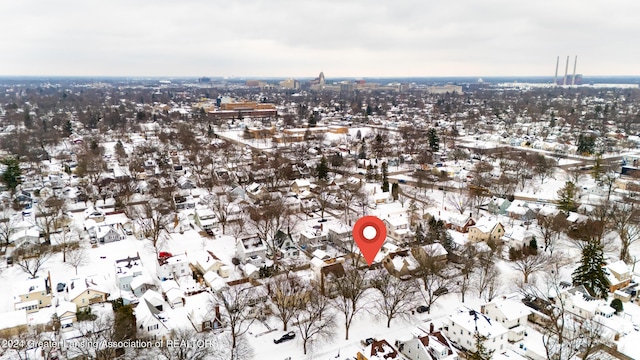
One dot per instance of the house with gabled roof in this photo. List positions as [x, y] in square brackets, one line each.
[87, 291]
[400, 264]
[378, 350]
[432, 345]
[462, 325]
[511, 313]
[498, 206]
[459, 223]
[486, 229]
[33, 294]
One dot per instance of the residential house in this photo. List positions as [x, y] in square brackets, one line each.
[106, 233]
[66, 313]
[435, 251]
[206, 261]
[618, 274]
[511, 313]
[433, 345]
[150, 316]
[300, 186]
[126, 269]
[520, 210]
[462, 326]
[313, 238]
[378, 350]
[486, 229]
[340, 234]
[200, 314]
[284, 246]
[578, 302]
[400, 264]
[251, 250]
[459, 223]
[140, 284]
[172, 266]
[517, 237]
[382, 198]
[87, 291]
[172, 293]
[206, 219]
[398, 228]
[498, 206]
[33, 294]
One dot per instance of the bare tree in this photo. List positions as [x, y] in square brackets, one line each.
[487, 278]
[468, 262]
[395, 296]
[544, 167]
[20, 342]
[528, 265]
[459, 201]
[99, 332]
[433, 279]
[350, 290]
[153, 219]
[624, 220]
[67, 240]
[49, 216]
[31, 258]
[78, 257]
[315, 320]
[551, 227]
[8, 224]
[220, 206]
[609, 179]
[288, 294]
[235, 302]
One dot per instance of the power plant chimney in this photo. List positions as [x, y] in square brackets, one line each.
[566, 72]
[573, 79]
[555, 78]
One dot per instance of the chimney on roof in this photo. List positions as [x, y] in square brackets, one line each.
[217, 312]
[431, 328]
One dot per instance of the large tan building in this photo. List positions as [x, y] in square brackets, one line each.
[33, 294]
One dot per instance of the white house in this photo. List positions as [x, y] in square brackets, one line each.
[126, 269]
[433, 345]
[252, 250]
[150, 317]
[398, 228]
[173, 267]
[106, 233]
[173, 293]
[463, 324]
[511, 313]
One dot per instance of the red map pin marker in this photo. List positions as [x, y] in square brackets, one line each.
[369, 233]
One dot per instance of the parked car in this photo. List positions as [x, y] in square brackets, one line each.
[286, 337]
[440, 291]
[61, 287]
[422, 309]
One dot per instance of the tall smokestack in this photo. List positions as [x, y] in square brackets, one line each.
[573, 79]
[555, 78]
[566, 72]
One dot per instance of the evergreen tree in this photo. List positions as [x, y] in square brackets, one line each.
[322, 169]
[359, 135]
[586, 144]
[395, 191]
[385, 179]
[420, 236]
[617, 305]
[11, 175]
[363, 150]
[590, 273]
[567, 197]
[434, 141]
[481, 352]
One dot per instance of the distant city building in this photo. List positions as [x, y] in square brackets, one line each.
[290, 84]
[443, 89]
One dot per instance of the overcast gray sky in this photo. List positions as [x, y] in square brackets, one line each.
[301, 38]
